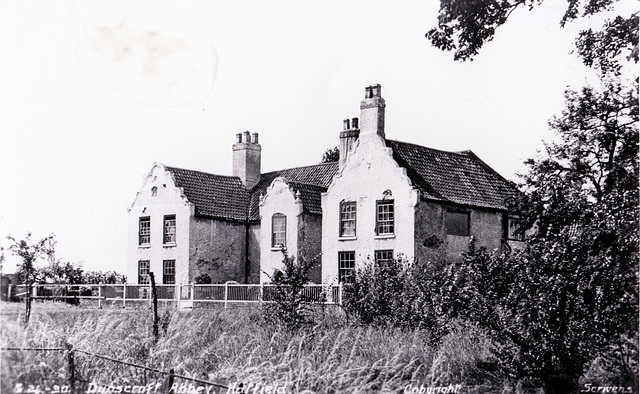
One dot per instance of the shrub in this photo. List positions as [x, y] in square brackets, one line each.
[395, 292]
[288, 304]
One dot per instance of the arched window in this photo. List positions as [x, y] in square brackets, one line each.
[278, 230]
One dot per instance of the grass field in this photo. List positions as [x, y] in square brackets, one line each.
[237, 346]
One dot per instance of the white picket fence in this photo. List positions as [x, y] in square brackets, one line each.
[185, 295]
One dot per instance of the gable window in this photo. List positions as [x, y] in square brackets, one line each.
[169, 272]
[346, 267]
[278, 230]
[514, 226]
[384, 217]
[144, 231]
[169, 229]
[348, 219]
[143, 272]
[457, 223]
[383, 256]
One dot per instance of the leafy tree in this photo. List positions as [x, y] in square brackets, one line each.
[30, 253]
[464, 26]
[59, 272]
[571, 296]
[331, 155]
[288, 304]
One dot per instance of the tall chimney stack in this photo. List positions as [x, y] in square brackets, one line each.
[246, 158]
[348, 137]
[372, 111]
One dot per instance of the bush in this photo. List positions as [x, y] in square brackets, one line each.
[288, 304]
[395, 292]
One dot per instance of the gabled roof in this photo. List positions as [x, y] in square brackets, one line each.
[216, 196]
[301, 178]
[451, 177]
[225, 197]
[455, 177]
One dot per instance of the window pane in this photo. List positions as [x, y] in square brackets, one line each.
[143, 271]
[169, 272]
[457, 223]
[144, 232]
[169, 229]
[384, 217]
[346, 267]
[383, 256]
[348, 219]
[278, 230]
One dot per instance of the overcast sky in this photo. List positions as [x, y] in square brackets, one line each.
[93, 93]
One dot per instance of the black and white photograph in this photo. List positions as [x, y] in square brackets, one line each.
[300, 196]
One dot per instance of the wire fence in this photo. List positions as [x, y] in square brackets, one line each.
[185, 295]
[114, 376]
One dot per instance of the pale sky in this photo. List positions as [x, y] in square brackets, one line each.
[93, 93]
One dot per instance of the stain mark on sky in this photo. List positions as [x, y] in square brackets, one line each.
[159, 67]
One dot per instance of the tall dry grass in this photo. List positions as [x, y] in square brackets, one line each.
[239, 346]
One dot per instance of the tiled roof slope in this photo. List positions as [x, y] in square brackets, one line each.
[460, 178]
[455, 177]
[319, 175]
[217, 196]
[225, 197]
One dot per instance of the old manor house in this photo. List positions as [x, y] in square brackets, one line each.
[382, 199]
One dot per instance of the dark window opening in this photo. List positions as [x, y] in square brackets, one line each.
[457, 223]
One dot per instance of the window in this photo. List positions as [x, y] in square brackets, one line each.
[346, 267]
[169, 272]
[514, 226]
[278, 230]
[383, 256]
[384, 217]
[144, 232]
[348, 219]
[169, 229]
[143, 272]
[457, 223]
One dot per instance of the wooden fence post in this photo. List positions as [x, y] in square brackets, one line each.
[226, 293]
[154, 295]
[192, 294]
[100, 296]
[340, 293]
[261, 292]
[170, 381]
[124, 295]
[9, 292]
[71, 371]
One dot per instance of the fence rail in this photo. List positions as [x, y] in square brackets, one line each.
[75, 384]
[185, 295]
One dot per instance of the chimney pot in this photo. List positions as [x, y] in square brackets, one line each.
[247, 137]
[377, 90]
[354, 123]
[255, 138]
[345, 124]
[238, 138]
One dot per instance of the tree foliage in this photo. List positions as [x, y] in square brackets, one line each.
[331, 155]
[464, 26]
[30, 253]
[288, 304]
